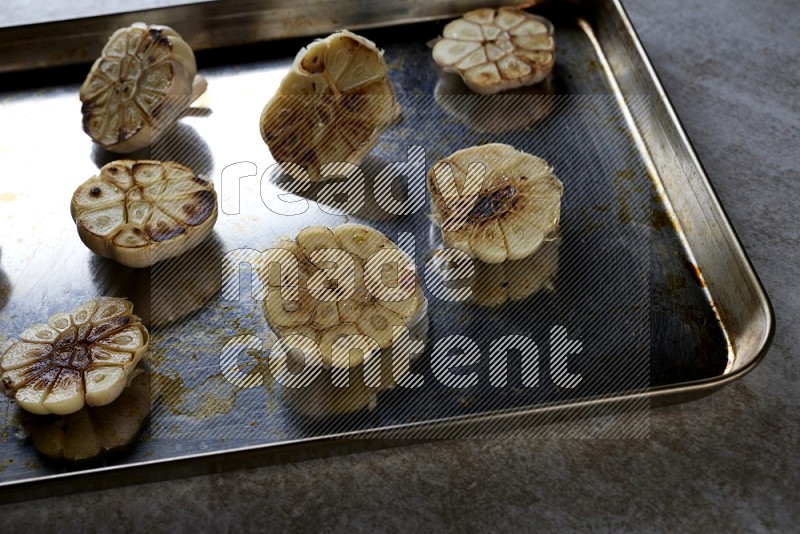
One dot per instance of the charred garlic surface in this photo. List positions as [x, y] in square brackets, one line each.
[77, 358]
[141, 212]
[495, 202]
[497, 49]
[144, 79]
[332, 105]
[358, 298]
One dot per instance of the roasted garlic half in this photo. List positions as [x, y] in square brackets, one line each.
[84, 357]
[357, 298]
[141, 212]
[497, 49]
[145, 78]
[495, 202]
[331, 107]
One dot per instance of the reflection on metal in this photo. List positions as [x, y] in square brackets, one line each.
[511, 110]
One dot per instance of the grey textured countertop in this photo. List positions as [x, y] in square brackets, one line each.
[727, 462]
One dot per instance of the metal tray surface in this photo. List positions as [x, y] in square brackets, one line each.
[647, 273]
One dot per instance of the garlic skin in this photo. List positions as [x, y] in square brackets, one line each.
[332, 105]
[84, 357]
[141, 212]
[93, 430]
[494, 202]
[495, 50]
[144, 79]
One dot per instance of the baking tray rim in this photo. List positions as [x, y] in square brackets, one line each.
[168, 468]
[763, 301]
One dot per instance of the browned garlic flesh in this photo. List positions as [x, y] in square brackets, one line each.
[93, 430]
[332, 105]
[145, 78]
[494, 202]
[82, 357]
[497, 49]
[141, 212]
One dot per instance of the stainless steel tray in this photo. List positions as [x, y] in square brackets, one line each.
[650, 276]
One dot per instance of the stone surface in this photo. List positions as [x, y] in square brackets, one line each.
[727, 462]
